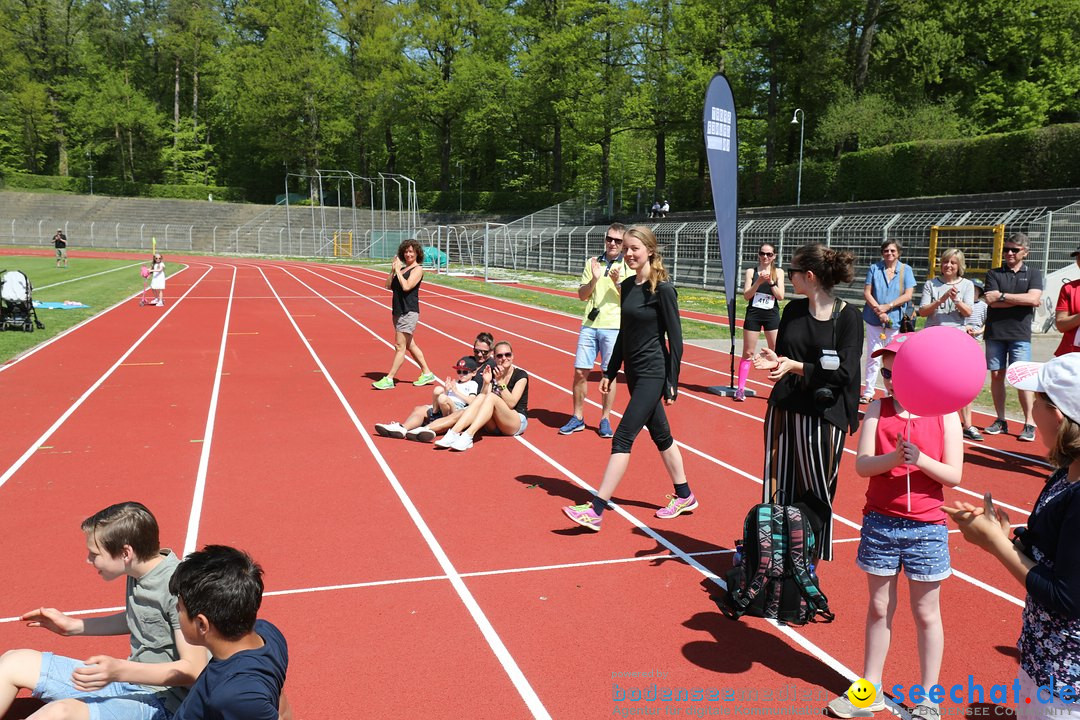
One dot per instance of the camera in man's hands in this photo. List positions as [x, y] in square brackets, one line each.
[594, 313]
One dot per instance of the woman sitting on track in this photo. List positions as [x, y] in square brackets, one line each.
[763, 288]
[500, 408]
[1043, 557]
[815, 401]
[650, 340]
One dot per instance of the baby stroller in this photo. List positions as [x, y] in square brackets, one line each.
[17, 302]
[143, 299]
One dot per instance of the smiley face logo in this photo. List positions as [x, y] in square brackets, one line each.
[862, 693]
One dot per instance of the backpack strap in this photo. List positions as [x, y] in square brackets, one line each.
[801, 551]
[769, 525]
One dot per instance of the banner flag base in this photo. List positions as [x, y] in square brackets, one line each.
[728, 391]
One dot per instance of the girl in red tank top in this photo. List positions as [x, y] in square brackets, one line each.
[909, 460]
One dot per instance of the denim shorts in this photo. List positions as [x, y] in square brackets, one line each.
[522, 424]
[887, 543]
[592, 342]
[115, 701]
[997, 351]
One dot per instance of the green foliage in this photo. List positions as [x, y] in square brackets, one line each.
[520, 201]
[120, 188]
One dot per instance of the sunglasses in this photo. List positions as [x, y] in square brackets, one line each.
[795, 270]
[500, 356]
[1012, 249]
[611, 239]
[478, 351]
[466, 371]
[886, 373]
[765, 254]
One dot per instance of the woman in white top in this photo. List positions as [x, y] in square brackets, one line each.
[947, 299]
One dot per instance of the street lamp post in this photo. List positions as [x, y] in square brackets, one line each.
[90, 156]
[802, 126]
[459, 186]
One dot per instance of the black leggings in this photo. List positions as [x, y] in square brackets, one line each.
[645, 409]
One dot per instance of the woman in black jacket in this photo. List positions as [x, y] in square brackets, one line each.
[815, 401]
[650, 344]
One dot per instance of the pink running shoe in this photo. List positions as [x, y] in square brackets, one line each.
[677, 506]
[583, 515]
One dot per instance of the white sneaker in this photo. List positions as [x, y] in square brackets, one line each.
[421, 434]
[391, 430]
[447, 440]
[462, 442]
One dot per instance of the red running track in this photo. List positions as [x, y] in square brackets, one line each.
[407, 578]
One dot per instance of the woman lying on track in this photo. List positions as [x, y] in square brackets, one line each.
[499, 408]
[1044, 557]
[650, 340]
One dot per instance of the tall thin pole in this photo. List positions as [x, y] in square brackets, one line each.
[795, 120]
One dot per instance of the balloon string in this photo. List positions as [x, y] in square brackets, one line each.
[908, 467]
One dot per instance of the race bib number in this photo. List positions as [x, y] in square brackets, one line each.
[764, 301]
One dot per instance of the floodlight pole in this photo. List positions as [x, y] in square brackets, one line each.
[802, 128]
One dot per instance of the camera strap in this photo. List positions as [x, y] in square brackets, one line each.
[838, 306]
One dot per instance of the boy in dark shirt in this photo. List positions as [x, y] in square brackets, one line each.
[219, 591]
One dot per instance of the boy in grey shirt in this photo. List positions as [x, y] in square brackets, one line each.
[121, 541]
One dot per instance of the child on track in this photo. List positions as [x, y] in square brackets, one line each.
[122, 541]
[219, 591]
[446, 401]
[157, 280]
[904, 526]
[501, 408]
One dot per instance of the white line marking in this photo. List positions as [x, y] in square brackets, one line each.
[83, 277]
[510, 666]
[208, 433]
[90, 390]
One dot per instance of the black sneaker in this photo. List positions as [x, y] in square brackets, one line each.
[972, 433]
[996, 428]
[1027, 434]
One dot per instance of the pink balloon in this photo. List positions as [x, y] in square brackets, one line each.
[938, 371]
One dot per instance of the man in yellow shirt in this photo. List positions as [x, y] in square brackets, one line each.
[599, 327]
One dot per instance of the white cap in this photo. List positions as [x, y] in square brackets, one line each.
[1059, 378]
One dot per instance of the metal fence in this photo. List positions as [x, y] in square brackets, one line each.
[691, 249]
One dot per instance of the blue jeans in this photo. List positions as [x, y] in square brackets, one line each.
[1000, 354]
[592, 342]
[888, 543]
[115, 701]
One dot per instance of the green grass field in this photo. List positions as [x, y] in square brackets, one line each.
[97, 283]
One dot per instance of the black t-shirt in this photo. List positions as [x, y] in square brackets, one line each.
[60, 241]
[1014, 322]
[405, 301]
[523, 403]
[646, 318]
[802, 337]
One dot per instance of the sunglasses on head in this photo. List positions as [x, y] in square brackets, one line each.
[765, 254]
[1012, 249]
[500, 356]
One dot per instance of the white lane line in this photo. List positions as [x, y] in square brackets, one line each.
[97, 316]
[199, 492]
[510, 666]
[90, 390]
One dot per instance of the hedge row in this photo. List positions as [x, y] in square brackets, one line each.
[1044, 158]
[120, 188]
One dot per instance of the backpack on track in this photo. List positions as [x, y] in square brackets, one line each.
[774, 577]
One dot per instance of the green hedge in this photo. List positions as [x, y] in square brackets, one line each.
[120, 188]
[1044, 158]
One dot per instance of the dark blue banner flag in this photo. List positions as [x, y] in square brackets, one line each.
[722, 151]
